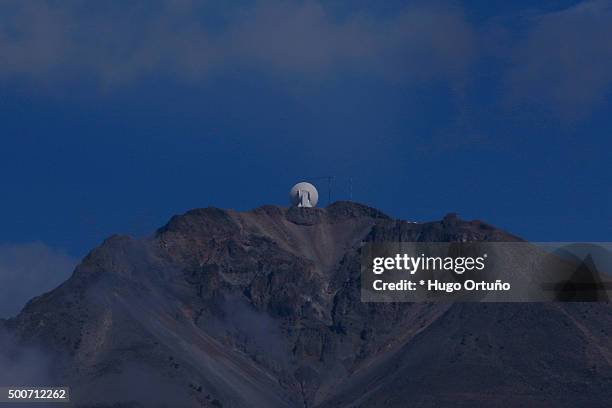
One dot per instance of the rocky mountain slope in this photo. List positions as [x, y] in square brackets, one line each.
[262, 308]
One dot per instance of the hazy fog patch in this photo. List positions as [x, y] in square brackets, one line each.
[28, 270]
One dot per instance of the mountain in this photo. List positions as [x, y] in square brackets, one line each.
[262, 309]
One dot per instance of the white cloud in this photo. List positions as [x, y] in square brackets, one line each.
[28, 270]
[565, 60]
[562, 60]
[119, 41]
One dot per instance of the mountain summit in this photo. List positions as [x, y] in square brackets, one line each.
[262, 308]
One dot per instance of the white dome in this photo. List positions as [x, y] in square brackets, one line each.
[303, 195]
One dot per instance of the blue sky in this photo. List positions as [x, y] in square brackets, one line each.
[115, 116]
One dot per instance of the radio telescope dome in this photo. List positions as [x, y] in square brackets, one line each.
[303, 195]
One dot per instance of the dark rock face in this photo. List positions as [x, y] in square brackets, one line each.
[262, 308]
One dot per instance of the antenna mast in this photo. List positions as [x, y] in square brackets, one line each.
[330, 182]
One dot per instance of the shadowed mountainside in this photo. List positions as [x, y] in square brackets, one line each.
[262, 308]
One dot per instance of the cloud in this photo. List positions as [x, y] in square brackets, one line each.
[564, 62]
[115, 42]
[22, 365]
[561, 60]
[28, 270]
